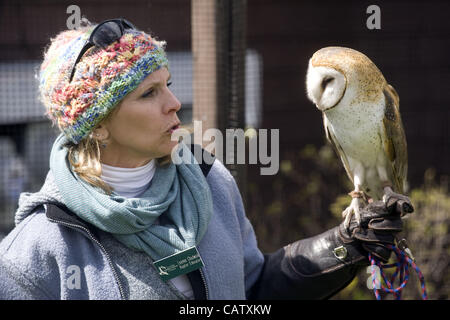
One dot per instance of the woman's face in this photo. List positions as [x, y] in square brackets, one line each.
[140, 129]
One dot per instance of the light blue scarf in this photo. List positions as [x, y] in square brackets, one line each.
[178, 195]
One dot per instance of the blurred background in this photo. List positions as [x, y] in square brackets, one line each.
[242, 64]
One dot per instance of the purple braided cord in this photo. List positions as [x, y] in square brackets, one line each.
[402, 271]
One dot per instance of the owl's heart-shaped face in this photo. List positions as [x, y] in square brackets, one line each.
[325, 86]
[339, 76]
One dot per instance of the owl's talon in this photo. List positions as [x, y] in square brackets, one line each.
[345, 212]
[353, 208]
[347, 220]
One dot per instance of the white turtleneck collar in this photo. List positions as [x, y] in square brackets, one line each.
[129, 182]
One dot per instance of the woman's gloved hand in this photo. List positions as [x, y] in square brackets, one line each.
[320, 266]
[380, 223]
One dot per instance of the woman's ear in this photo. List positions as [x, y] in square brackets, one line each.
[100, 133]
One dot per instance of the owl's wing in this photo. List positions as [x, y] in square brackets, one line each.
[394, 139]
[337, 147]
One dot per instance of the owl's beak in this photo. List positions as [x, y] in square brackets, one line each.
[325, 86]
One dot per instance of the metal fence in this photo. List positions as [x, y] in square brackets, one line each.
[26, 135]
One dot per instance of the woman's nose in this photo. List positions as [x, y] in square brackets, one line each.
[173, 104]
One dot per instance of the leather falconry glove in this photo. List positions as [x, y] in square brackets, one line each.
[379, 225]
[320, 266]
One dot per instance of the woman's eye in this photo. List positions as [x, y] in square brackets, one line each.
[149, 93]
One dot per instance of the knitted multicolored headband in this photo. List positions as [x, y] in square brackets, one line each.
[102, 78]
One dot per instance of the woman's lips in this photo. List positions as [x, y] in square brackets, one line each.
[172, 129]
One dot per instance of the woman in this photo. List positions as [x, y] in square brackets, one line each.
[116, 219]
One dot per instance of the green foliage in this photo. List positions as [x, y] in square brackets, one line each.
[308, 196]
[427, 233]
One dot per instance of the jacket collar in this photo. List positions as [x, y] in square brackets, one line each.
[59, 213]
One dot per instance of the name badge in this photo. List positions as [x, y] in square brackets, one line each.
[179, 263]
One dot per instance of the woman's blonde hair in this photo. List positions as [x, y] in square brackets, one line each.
[84, 158]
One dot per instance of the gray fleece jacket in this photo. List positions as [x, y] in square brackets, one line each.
[42, 258]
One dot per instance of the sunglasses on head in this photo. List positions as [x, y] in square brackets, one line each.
[103, 35]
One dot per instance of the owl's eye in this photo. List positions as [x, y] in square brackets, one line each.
[326, 81]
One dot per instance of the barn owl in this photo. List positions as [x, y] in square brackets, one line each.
[362, 121]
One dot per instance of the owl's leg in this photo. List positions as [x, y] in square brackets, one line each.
[356, 195]
[354, 207]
